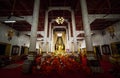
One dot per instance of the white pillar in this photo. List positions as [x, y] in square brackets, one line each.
[67, 38]
[45, 29]
[52, 44]
[50, 34]
[50, 30]
[74, 30]
[51, 37]
[33, 37]
[34, 27]
[69, 31]
[89, 44]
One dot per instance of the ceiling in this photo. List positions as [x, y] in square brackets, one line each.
[25, 8]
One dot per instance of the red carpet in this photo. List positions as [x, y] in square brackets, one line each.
[17, 72]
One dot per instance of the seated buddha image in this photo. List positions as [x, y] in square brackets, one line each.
[59, 46]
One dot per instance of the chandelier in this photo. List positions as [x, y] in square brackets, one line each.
[59, 20]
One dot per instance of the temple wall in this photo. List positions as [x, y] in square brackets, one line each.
[19, 40]
[102, 38]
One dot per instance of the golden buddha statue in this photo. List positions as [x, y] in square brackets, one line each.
[59, 46]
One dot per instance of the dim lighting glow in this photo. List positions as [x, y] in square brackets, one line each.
[9, 21]
[59, 34]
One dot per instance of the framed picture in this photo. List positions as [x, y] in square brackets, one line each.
[106, 49]
[115, 48]
[15, 50]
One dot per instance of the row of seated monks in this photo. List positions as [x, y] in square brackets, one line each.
[58, 64]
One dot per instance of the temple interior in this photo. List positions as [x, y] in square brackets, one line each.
[60, 38]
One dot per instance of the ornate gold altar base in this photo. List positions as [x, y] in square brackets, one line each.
[60, 53]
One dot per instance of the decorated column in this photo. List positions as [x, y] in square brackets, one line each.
[87, 30]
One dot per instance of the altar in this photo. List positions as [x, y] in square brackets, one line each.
[59, 46]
